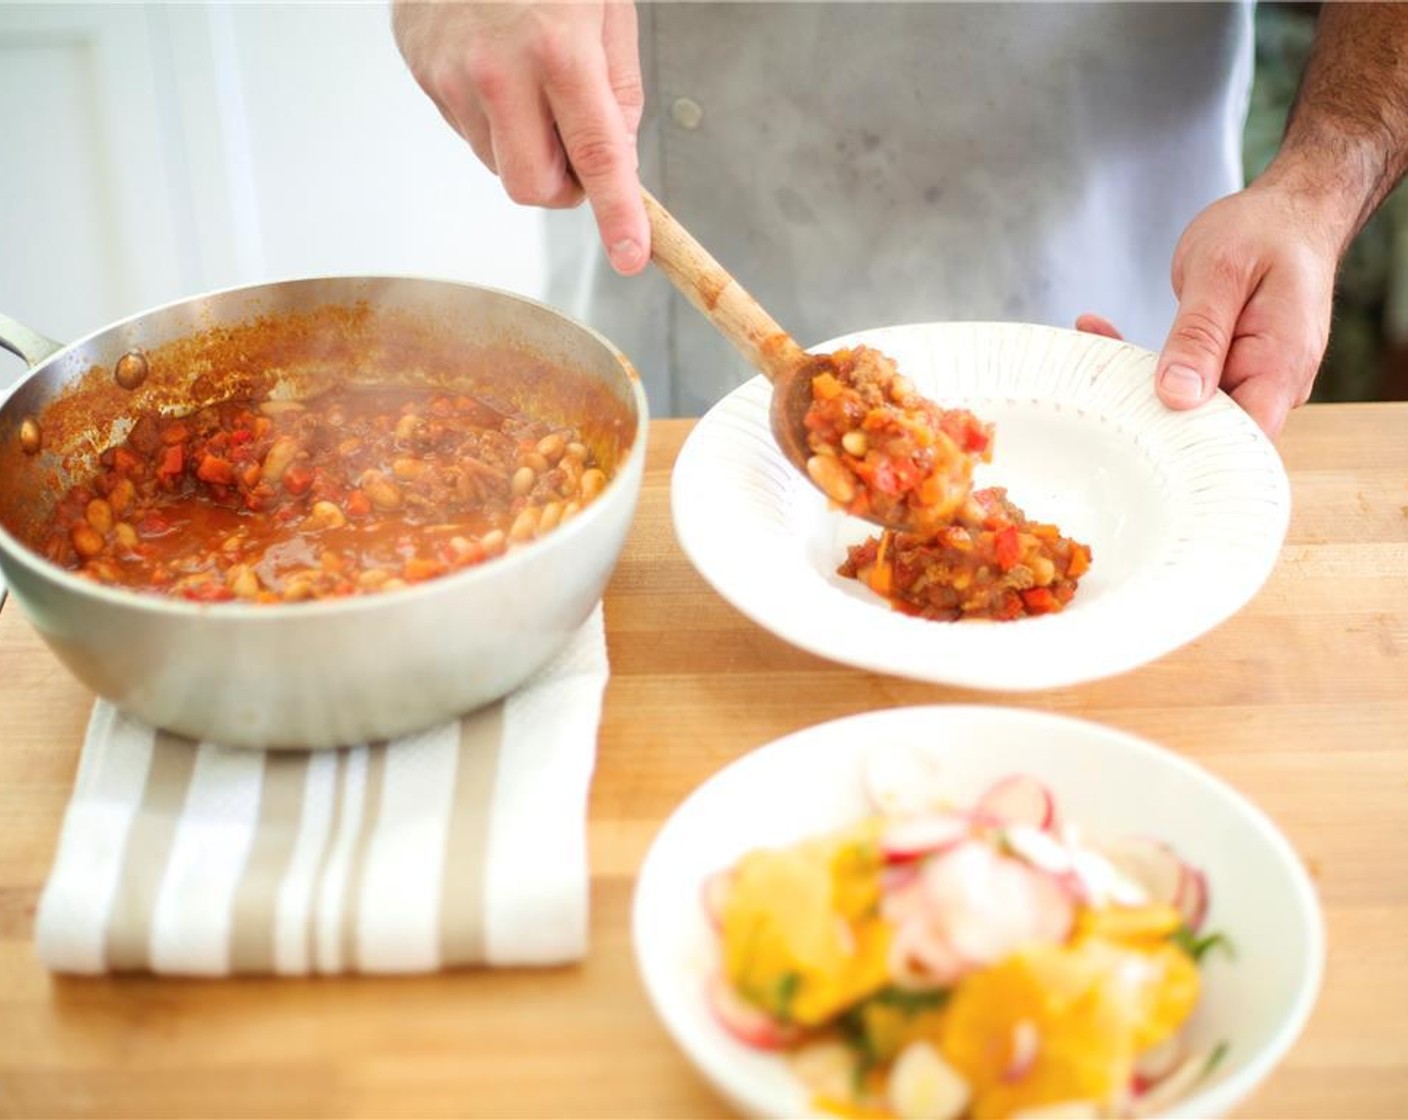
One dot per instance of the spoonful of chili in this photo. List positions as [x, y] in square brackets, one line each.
[850, 421]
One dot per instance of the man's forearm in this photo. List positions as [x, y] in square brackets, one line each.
[1346, 143]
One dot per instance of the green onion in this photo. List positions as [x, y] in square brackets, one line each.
[911, 1003]
[1215, 1059]
[1197, 947]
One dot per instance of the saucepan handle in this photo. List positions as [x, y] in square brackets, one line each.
[30, 345]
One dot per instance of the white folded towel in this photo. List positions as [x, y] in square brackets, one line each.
[464, 844]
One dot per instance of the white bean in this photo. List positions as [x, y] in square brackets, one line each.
[832, 478]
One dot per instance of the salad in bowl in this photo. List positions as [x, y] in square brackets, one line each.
[936, 961]
[962, 913]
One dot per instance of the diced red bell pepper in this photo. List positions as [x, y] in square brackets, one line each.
[1007, 547]
[216, 471]
[172, 461]
[358, 504]
[825, 387]
[1039, 600]
[977, 439]
[883, 474]
[298, 478]
[124, 462]
[1009, 608]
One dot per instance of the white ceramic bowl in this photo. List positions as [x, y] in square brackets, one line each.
[1107, 781]
[1185, 512]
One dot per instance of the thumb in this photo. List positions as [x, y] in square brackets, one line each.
[1190, 366]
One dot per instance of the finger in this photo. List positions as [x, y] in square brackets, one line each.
[1210, 301]
[1281, 336]
[594, 135]
[451, 91]
[525, 148]
[1267, 400]
[1096, 324]
[472, 125]
[620, 37]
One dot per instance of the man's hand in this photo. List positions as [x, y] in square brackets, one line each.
[1254, 274]
[549, 96]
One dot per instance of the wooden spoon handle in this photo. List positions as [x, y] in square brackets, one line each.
[722, 299]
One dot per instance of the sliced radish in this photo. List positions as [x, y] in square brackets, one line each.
[1053, 909]
[1157, 1062]
[1014, 905]
[1192, 901]
[984, 904]
[1026, 1045]
[713, 893]
[1152, 864]
[1099, 882]
[907, 901]
[1076, 888]
[1039, 848]
[898, 877]
[911, 838]
[901, 780]
[921, 959]
[747, 1022]
[923, 1086]
[1162, 1096]
[1019, 799]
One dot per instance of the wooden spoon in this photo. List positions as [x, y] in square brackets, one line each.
[742, 320]
[945, 458]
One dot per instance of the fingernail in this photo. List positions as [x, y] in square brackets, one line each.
[1181, 383]
[625, 254]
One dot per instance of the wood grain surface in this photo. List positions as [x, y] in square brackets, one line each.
[1300, 701]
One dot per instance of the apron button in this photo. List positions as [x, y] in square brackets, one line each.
[687, 113]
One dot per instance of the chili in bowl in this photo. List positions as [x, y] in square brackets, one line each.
[353, 492]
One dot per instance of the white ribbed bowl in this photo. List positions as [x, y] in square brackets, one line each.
[1185, 511]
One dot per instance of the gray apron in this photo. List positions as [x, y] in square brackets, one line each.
[862, 165]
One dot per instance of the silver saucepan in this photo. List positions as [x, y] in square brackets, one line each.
[317, 674]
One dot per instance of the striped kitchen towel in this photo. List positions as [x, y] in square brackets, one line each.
[461, 845]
